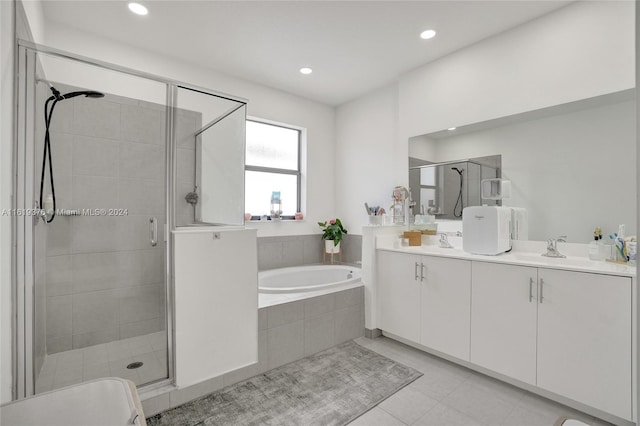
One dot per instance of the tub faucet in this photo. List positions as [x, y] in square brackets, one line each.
[552, 249]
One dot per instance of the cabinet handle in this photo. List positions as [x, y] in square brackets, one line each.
[421, 271]
[530, 289]
[540, 298]
[416, 272]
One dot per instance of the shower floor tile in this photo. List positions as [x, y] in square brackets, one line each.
[107, 360]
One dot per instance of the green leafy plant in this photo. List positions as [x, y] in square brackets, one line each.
[332, 230]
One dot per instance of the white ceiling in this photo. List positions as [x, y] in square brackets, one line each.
[352, 46]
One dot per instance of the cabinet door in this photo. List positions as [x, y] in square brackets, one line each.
[584, 338]
[446, 306]
[399, 291]
[503, 319]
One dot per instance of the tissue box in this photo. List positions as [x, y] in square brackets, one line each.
[415, 237]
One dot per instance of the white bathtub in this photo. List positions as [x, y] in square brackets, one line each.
[302, 279]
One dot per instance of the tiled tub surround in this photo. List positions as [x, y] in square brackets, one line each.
[287, 332]
[298, 250]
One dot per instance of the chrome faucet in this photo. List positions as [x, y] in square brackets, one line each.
[552, 249]
[444, 241]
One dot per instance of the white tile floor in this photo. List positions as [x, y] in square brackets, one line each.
[451, 395]
[107, 360]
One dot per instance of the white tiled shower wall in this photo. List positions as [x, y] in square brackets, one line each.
[104, 280]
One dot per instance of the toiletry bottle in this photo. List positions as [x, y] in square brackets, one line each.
[276, 205]
[596, 247]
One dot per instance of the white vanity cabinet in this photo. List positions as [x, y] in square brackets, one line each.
[445, 305]
[584, 338]
[399, 292]
[504, 319]
[426, 300]
[565, 332]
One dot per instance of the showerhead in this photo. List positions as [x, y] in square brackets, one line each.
[457, 170]
[87, 93]
[49, 106]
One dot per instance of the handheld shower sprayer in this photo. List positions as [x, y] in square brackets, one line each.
[459, 201]
[46, 155]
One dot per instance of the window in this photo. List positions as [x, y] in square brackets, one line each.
[429, 186]
[272, 164]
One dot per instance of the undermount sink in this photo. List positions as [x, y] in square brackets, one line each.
[556, 261]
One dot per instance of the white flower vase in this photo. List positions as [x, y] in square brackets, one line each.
[330, 248]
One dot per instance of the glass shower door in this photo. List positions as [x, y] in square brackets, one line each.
[99, 256]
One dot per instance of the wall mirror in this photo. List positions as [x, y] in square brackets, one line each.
[571, 166]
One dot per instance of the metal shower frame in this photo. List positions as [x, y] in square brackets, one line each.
[23, 262]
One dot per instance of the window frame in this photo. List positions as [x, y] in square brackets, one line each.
[274, 170]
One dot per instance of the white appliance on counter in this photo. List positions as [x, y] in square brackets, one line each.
[486, 229]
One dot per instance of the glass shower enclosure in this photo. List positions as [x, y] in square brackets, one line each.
[101, 151]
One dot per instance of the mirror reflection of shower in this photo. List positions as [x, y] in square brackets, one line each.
[49, 203]
[439, 192]
[457, 210]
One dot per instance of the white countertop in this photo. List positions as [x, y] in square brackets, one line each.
[523, 254]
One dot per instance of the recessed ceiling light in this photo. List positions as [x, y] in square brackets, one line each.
[306, 70]
[138, 9]
[451, 128]
[426, 35]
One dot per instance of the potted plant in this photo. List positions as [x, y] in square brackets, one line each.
[332, 232]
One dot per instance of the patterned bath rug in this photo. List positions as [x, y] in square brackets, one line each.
[331, 387]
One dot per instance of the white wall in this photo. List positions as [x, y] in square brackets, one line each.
[420, 150]
[580, 51]
[216, 317]
[572, 171]
[366, 163]
[35, 16]
[554, 59]
[264, 102]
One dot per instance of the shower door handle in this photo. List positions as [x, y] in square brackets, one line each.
[153, 231]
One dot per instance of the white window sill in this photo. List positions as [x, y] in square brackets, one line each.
[251, 222]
